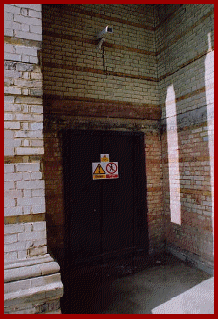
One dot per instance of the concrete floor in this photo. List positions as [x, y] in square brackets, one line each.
[139, 287]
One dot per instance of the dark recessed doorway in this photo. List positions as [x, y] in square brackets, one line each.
[105, 219]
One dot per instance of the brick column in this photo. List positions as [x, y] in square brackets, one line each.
[32, 278]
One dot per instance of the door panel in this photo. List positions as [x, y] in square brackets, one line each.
[118, 195]
[84, 211]
[103, 217]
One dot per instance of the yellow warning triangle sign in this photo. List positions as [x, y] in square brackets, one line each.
[99, 170]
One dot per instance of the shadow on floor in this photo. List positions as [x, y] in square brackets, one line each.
[128, 286]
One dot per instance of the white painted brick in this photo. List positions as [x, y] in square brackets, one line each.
[27, 210]
[23, 117]
[38, 209]
[9, 107]
[8, 168]
[9, 48]
[12, 56]
[26, 143]
[8, 32]
[9, 202]
[34, 7]
[26, 176]
[36, 126]
[39, 226]
[36, 175]
[11, 8]
[12, 143]
[36, 109]
[9, 239]
[31, 201]
[24, 12]
[38, 192]
[27, 20]
[8, 16]
[37, 133]
[13, 177]
[25, 27]
[12, 90]
[12, 26]
[35, 14]
[37, 143]
[8, 99]
[25, 58]
[8, 185]
[28, 35]
[9, 151]
[29, 151]
[13, 229]
[31, 184]
[20, 245]
[27, 167]
[33, 59]
[12, 194]
[25, 126]
[27, 193]
[12, 125]
[26, 50]
[10, 257]
[36, 29]
[12, 211]
[28, 227]
[32, 236]
[8, 116]
[36, 75]
[22, 254]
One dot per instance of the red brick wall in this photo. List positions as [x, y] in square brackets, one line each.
[195, 233]
[186, 66]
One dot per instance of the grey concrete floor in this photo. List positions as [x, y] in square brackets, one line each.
[132, 287]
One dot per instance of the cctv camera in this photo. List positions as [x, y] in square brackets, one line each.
[103, 32]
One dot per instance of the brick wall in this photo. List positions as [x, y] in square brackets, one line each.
[123, 89]
[25, 238]
[23, 124]
[74, 67]
[80, 92]
[143, 57]
[182, 55]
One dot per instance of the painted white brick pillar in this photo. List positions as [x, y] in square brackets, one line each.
[32, 278]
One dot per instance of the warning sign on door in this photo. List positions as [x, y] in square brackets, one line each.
[105, 169]
[104, 157]
[99, 170]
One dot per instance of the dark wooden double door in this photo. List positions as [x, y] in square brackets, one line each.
[104, 219]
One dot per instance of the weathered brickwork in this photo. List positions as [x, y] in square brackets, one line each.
[25, 236]
[186, 63]
[154, 74]
[79, 82]
[73, 66]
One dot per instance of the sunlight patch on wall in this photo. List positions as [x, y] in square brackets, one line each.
[173, 156]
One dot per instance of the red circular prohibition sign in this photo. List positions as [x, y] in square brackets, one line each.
[111, 168]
